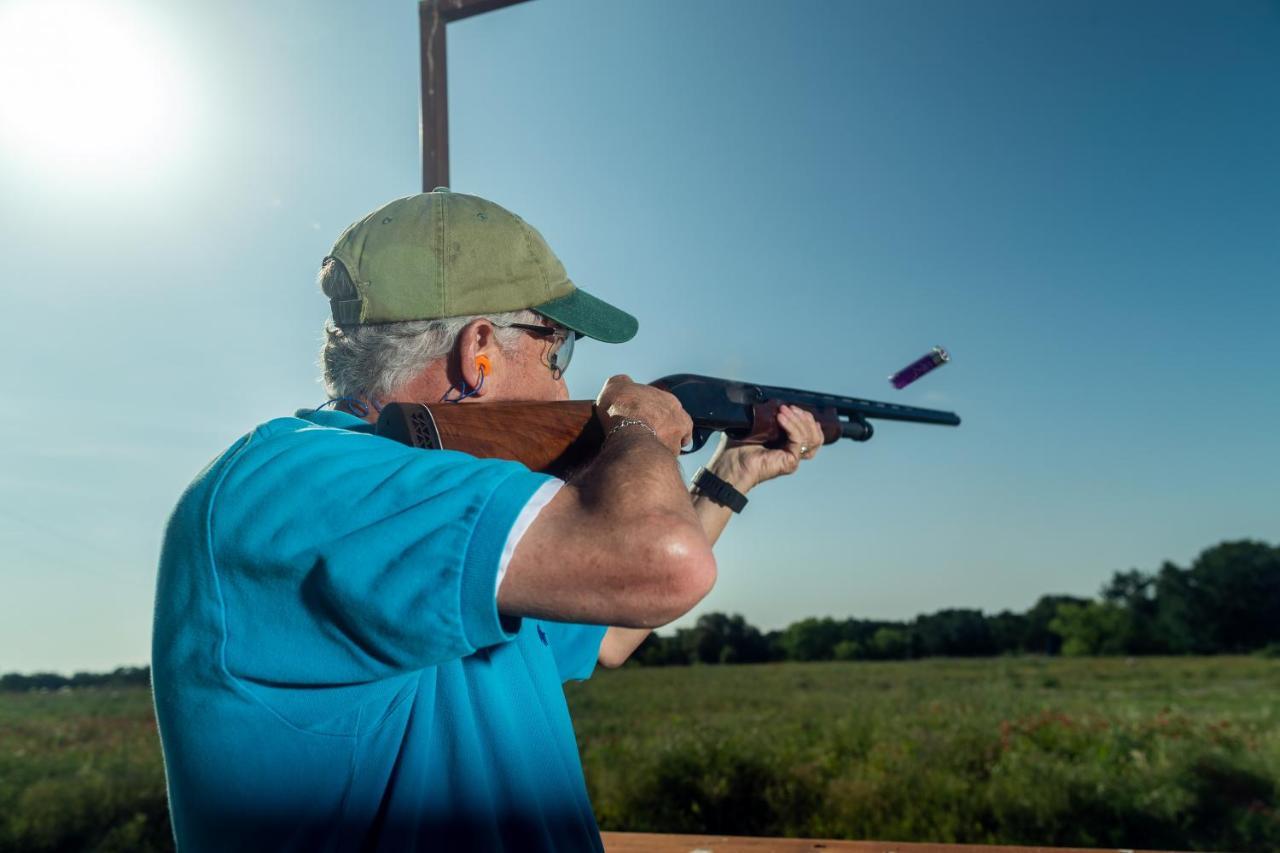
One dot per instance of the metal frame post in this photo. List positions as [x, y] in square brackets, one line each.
[433, 127]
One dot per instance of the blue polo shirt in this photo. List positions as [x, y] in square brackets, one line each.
[329, 665]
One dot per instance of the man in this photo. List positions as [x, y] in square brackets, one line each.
[361, 645]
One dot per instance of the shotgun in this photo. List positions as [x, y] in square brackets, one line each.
[560, 437]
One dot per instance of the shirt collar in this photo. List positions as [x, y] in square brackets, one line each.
[331, 418]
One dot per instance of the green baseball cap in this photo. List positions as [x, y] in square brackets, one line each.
[447, 254]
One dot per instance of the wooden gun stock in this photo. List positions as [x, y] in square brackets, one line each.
[556, 438]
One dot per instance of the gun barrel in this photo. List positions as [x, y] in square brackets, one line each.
[896, 412]
[854, 406]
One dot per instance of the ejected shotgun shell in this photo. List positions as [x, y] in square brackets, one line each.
[919, 367]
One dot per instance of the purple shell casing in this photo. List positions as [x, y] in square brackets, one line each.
[913, 371]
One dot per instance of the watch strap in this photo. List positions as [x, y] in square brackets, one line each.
[706, 483]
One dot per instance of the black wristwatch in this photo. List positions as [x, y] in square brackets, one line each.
[704, 482]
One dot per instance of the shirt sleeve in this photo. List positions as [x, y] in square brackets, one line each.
[342, 557]
[540, 498]
[576, 648]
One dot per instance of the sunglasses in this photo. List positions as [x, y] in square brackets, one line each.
[561, 352]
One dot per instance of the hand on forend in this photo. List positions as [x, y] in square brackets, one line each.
[746, 465]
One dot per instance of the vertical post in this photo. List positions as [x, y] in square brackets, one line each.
[434, 129]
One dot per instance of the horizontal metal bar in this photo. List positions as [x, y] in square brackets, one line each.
[456, 10]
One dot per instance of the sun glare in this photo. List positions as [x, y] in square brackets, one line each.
[86, 90]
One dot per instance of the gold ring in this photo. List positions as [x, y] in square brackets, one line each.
[804, 451]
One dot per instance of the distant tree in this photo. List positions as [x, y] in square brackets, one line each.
[849, 650]
[131, 676]
[890, 644]
[862, 630]
[1237, 585]
[703, 642]
[1227, 601]
[125, 676]
[955, 632]
[657, 650]
[1008, 631]
[1181, 614]
[773, 642]
[85, 679]
[1134, 593]
[721, 638]
[1091, 628]
[1039, 638]
[811, 639]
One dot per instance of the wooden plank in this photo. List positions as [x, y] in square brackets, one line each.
[645, 842]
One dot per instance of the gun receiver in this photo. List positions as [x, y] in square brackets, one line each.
[561, 437]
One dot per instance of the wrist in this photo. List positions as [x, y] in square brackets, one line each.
[634, 431]
[619, 424]
[718, 490]
[726, 469]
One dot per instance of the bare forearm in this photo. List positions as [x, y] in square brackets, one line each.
[620, 643]
[633, 474]
[619, 545]
[713, 518]
[742, 467]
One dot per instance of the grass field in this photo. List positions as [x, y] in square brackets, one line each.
[1174, 752]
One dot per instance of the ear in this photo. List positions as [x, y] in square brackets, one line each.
[476, 341]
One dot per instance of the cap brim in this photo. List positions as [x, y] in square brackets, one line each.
[590, 316]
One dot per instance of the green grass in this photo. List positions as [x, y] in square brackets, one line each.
[1174, 752]
[81, 771]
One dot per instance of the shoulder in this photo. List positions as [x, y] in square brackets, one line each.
[304, 451]
[293, 468]
[297, 450]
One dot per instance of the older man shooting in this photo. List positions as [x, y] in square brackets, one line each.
[360, 644]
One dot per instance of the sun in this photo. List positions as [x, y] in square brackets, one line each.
[86, 90]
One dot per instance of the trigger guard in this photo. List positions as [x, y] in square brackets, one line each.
[700, 437]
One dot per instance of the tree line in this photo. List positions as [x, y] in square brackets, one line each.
[124, 676]
[1226, 601]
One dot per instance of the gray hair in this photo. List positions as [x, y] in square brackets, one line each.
[372, 361]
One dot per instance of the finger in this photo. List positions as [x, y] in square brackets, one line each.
[814, 434]
[793, 427]
[804, 436]
[810, 431]
[611, 385]
[798, 424]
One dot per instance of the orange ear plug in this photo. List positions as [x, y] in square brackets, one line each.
[482, 362]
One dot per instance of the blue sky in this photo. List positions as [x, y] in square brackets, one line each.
[1080, 200]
